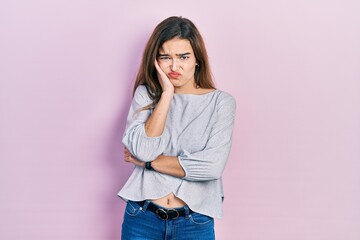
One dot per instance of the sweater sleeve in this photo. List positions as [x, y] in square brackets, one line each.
[135, 139]
[209, 163]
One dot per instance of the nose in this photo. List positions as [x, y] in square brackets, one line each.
[174, 65]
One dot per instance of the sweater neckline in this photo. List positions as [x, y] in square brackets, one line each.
[196, 95]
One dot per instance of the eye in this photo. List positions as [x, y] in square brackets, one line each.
[184, 57]
[164, 58]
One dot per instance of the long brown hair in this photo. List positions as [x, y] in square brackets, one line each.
[173, 27]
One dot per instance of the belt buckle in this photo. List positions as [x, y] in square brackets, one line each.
[174, 210]
[164, 214]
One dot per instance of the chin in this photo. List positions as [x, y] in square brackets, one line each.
[175, 81]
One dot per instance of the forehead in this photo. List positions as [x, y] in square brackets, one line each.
[176, 46]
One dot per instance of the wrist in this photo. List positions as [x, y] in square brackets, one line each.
[167, 93]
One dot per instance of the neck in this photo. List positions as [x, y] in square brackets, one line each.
[190, 88]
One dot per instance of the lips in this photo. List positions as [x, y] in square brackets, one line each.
[174, 74]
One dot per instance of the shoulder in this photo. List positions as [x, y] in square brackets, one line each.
[225, 100]
[141, 95]
[140, 91]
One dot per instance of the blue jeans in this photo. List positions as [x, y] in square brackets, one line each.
[140, 224]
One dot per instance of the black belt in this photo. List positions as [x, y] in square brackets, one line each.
[165, 213]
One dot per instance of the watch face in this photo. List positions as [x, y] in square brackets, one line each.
[148, 165]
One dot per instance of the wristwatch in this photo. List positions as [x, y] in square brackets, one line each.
[148, 166]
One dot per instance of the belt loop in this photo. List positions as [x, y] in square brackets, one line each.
[146, 204]
[187, 211]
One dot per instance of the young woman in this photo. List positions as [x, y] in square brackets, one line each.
[178, 136]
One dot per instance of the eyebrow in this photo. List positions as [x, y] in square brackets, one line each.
[179, 54]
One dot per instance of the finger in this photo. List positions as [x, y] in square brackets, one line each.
[127, 159]
[127, 153]
[159, 70]
[164, 81]
[157, 65]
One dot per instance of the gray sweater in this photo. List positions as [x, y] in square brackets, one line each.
[198, 130]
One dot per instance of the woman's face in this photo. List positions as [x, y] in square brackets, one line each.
[176, 58]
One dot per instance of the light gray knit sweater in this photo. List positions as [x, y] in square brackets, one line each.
[198, 130]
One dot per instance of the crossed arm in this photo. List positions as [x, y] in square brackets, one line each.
[164, 164]
[206, 164]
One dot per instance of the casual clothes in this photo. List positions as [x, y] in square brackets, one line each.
[198, 130]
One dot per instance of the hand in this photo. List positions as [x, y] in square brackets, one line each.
[165, 82]
[131, 159]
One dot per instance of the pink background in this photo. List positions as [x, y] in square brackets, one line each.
[66, 70]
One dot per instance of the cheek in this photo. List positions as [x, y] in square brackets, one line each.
[163, 65]
[190, 68]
